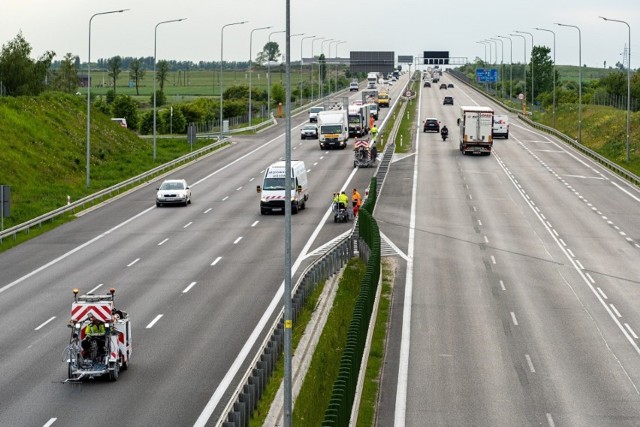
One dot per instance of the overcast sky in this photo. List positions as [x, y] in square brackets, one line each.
[407, 27]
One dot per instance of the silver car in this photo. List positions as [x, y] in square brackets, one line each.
[309, 131]
[173, 192]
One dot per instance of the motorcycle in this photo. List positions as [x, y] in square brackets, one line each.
[444, 134]
[340, 212]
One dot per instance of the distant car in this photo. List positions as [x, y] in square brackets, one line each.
[443, 85]
[313, 113]
[173, 192]
[450, 85]
[353, 87]
[426, 84]
[431, 125]
[448, 100]
[309, 131]
[500, 126]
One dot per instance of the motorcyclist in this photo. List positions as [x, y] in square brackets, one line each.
[444, 132]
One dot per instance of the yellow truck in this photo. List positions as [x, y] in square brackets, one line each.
[383, 99]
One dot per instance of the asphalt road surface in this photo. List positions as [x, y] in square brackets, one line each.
[518, 281]
[200, 283]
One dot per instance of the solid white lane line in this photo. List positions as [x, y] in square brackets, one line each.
[530, 363]
[563, 243]
[188, 288]
[502, 285]
[44, 323]
[163, 242]
[50, 422]
[133, 262]
[208, 210]
[154, 321]
[235, 242]
[589, 277]
[633, 334]
[400, 411]
[602, 293]
[555, 232]
[580, 264]
[513, 317]
[570, 253]
[95, 289]
[187, 224]
[255, 223]
[216, 260]
[615, 310]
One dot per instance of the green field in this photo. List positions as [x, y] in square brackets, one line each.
[201, 82]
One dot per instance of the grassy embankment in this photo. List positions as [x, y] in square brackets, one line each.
[43, 159]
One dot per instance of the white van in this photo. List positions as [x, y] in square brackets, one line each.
[272, 192]
[313, 113]
[500, 127]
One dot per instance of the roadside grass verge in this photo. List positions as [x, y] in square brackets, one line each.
[371, 388]
[317, 387]
[271, 389]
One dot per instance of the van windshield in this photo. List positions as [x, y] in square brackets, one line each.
[277, 184]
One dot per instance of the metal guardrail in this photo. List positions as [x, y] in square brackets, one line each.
[620, 171]
[107, 192]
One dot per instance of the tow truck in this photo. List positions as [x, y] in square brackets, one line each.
[88, 357]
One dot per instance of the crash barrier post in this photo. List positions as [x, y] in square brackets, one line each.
[338, 413]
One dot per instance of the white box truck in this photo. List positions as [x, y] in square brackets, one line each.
[333, 129]
[476, 129]
[372, 80]
[358, 120]
[273, 193]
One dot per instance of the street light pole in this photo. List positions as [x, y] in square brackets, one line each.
[579, 78]
[312, 60]
[250, 67]
[269, 76]
[89, 94]
[628, 81]
[337, 63]
[554, 72]
[335, 41]
[501, 63]
[320, 82]
[485, 51]
[221, 59]
[155, 37]
[532, 72]
[524, 39]
[301, 55]
[510, 66]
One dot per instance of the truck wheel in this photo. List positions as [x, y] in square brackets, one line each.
[113, 373]
[294, 208]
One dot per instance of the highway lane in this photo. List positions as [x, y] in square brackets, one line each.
[196, 282]
[522, 286]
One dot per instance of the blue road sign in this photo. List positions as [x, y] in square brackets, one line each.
[484, 75]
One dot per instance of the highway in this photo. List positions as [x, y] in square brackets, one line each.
[515, 300]
[200, 283]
